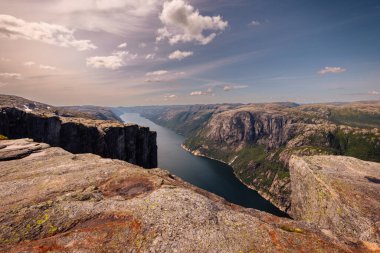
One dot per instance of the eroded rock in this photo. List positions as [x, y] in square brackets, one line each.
[54, 201]
[341, 194]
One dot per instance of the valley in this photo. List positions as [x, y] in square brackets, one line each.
[262, 141]
[303, 164]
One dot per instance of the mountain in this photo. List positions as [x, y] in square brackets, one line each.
[89, 111]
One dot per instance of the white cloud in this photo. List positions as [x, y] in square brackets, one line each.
[373, 92]
[183, 23]
[142, 45]
[332, 70]
[229, 87]
[170, 97]
[157, 73]
[113, 16]
[179, 55]
[15, 76]
[150, 56]
[137, 7]
[117, 60]
[15, 28]
[254, 23]
[29, 63]
[47, 67]
[163, 76]
[202, 93]
[122, 45]
[4, 59]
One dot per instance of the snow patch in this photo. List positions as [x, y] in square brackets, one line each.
[27, 109]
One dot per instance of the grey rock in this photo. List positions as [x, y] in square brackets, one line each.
[55, 201]
[341, 194]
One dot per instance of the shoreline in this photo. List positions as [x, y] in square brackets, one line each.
[261, 193]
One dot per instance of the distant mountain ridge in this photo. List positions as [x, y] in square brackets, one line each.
[87, 111]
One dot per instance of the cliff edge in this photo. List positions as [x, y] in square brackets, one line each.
[21, 118]
[55, 201]
[341, 194]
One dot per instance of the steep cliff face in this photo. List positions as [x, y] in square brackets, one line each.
[242, 127]
[249, 141]
[340, 194]
[84, 203]
[108, 139]
[257, 140]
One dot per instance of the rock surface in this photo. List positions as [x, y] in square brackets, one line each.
[257, 140]
[20, 118]
[341, 194]
[55, 201]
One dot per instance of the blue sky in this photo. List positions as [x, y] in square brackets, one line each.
[125, 52]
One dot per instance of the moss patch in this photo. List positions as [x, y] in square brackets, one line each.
[291, 229]
[255, 166]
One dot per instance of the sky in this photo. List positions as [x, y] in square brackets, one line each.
[155, 52]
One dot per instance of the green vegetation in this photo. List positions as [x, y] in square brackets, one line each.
[362, 146]
[43, 220]
[291, 229]
[365, 146]
[312, 150]
[255, 163]
[3, 137]
[209, 149]
[355, 118]
[185, 123]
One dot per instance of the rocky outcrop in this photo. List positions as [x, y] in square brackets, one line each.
[55, 201]
[94, 112]
[239, 128]
[108, 139]
[340, 194]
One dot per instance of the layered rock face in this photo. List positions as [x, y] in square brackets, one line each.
[108, 139]
[55, 201]
[239, 128]
[341, 194]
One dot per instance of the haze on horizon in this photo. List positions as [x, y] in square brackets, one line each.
[143, 52]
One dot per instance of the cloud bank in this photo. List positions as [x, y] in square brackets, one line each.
[115, 61]
[15, 28]
[180, 55]
[331, 70]
[183, 23]
[15, 76]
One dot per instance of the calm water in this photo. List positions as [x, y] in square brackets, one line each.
[205, 173]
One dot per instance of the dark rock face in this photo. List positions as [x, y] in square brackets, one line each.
[130, 143]
[245, 127]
